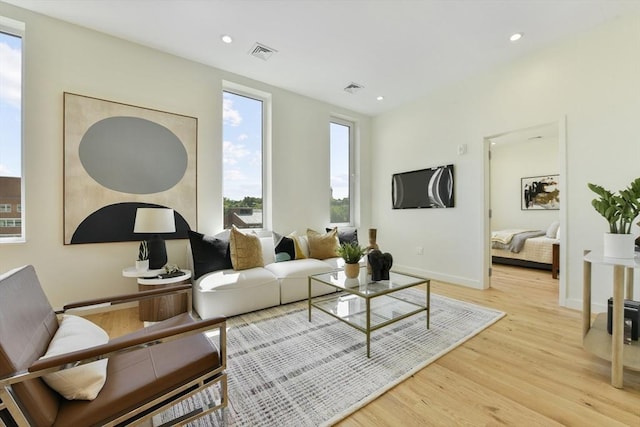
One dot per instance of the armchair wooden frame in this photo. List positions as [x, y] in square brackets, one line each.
[151, 403]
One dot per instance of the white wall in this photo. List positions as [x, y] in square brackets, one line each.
[509, 163]
[591, 79]
[61, 57]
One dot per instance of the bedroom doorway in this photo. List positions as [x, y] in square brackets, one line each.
[515, 160]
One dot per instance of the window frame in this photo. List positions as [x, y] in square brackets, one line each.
[265, 98]
[352, 178]
[16, 28]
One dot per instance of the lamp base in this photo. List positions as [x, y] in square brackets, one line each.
[157, 253]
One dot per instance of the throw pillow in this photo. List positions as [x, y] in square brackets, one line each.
[289, 247]
[323, 246]
[246, 250]
[82, 382]
[209, 254]
[346, 234]
[285, 247]
[552, 231]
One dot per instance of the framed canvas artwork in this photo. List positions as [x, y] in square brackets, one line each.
[540, 193]
[119, 157]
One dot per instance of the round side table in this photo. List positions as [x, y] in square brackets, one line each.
[164, 307]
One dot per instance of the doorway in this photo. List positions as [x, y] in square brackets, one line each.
[512, 157]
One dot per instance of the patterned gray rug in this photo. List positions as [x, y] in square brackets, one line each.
[285, 371]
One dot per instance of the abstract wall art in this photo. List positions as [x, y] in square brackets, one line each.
[540, 193]
[424, 188]
[119, 157]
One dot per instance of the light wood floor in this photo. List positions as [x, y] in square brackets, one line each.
[528, 369]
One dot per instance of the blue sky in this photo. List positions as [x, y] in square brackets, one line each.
[10, 100]
[242, 139]
[242, 146]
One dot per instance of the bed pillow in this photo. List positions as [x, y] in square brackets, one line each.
[246, 250]
[323, 246]
[82, 382]
[210, 253]
[552, 231]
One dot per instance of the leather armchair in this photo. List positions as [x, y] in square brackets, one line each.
[148, 370]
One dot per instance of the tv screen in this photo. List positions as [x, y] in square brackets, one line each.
[424, 188]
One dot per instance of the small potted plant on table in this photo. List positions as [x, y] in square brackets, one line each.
[619, 209]
[351, 254]
[142, 264]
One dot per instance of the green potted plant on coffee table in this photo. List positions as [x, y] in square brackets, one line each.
[351, 253]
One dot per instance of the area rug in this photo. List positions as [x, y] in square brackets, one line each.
[286, 371]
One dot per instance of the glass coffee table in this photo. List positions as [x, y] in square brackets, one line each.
[366, 305]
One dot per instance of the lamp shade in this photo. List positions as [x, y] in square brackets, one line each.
[154, 220]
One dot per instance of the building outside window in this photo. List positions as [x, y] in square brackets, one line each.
[341, 158]
[243, 160]
[11, 184]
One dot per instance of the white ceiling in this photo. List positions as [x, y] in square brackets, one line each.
[400, 49]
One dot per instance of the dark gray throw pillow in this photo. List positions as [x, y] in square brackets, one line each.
[346, 234]
[209, 254]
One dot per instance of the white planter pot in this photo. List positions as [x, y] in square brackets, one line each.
[619, 245]
[142, 265]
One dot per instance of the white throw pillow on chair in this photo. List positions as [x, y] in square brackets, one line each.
[82, 382]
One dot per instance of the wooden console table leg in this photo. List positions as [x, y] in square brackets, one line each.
[618, 327]
[629, 279]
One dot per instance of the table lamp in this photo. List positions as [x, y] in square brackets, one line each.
[154, 221]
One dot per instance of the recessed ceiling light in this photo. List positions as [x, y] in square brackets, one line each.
[380, 98]
[226, 38]
[515, 37]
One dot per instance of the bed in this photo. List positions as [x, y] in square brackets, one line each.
[527, 248]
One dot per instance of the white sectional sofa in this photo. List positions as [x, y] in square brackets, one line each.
[229, 292]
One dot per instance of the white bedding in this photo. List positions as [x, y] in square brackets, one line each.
[536, 249]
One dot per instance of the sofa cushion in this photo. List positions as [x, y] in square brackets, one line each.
[209, 253]
[346, 234]
[234, 279]
[246, 250]
[322, 246]
[82, 382]
[301, 268]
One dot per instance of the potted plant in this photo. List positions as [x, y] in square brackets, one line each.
[619, 209]
[142, 264]
[351, 254]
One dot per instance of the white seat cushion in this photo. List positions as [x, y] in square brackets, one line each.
[234, 279]
[298, 268]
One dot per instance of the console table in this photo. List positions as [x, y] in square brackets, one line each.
[596, 339]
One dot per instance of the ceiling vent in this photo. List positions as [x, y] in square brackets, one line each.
[261, 51]
[353, 88]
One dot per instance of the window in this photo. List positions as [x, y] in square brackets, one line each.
[11, 183]
[243, 160]
[341, 158]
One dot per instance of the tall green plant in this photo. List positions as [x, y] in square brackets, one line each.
[619, 209]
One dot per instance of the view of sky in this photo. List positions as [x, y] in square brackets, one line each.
[339, 135]
[242, 146]
[242, 150]
[10, 101]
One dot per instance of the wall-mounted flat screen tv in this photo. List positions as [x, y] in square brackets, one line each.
[424, 188]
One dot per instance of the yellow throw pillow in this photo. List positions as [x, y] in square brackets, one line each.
[323, 246]
[246, 250]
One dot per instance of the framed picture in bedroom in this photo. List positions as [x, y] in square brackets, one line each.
[540, 193]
